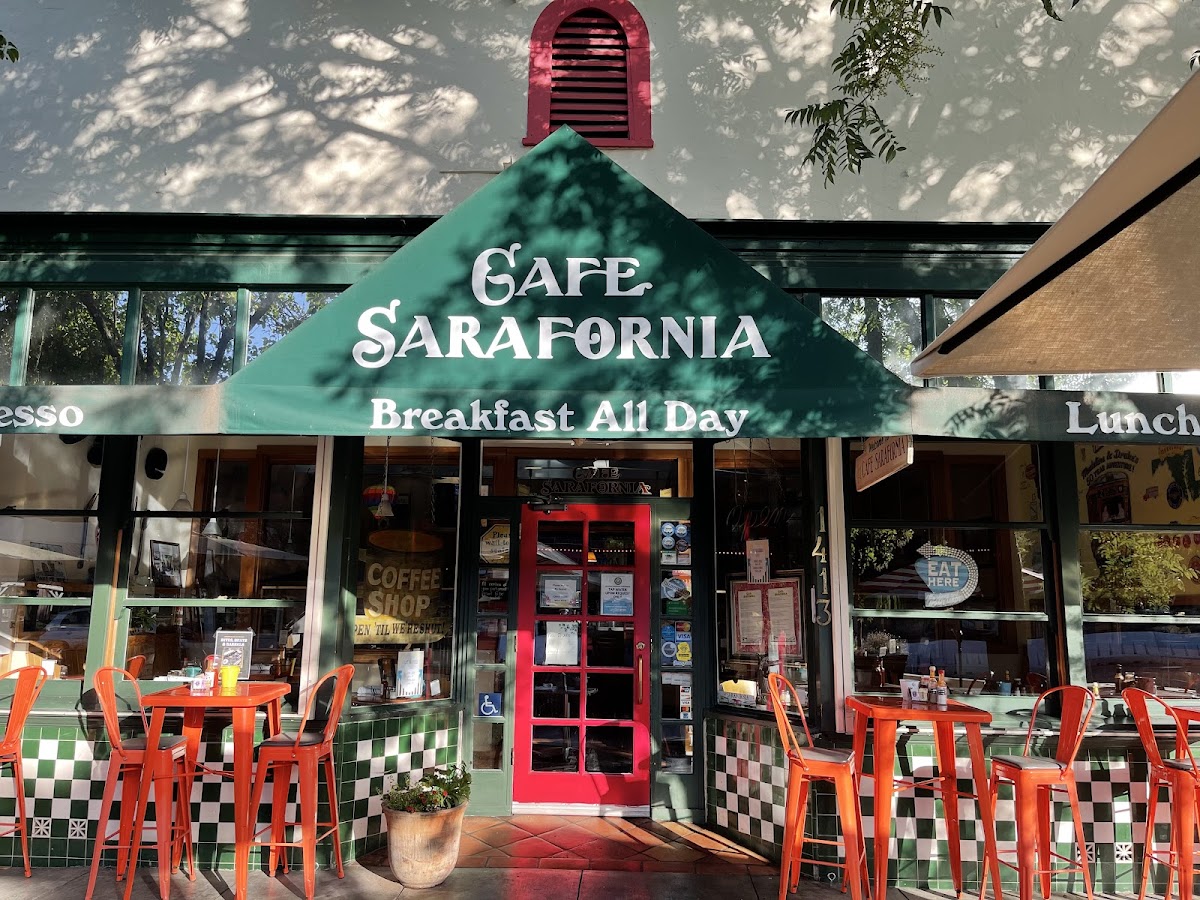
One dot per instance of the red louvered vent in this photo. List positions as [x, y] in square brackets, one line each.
[589, 79]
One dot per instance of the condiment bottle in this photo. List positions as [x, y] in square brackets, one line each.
[942, 694]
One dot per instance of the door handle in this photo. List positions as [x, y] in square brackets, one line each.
[640, 681]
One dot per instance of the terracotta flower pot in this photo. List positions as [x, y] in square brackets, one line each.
[423, 846]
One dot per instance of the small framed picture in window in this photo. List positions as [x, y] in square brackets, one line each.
[164, 564]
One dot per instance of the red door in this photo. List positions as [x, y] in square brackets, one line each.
[583, 657]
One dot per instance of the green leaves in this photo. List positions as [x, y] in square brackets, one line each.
[888, 47]
[1195, 60]
[8, 50]
[844, 136]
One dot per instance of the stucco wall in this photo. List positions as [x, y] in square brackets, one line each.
[366, 108]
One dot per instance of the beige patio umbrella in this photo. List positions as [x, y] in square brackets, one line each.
[1113, 285]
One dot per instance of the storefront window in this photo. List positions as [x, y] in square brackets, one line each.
[77, 337]
[886, 328]
[187, 337]
[947, 569]
[946, 311]
[761, 597]
[404, 629]
[8, 320]
[47, 561]
[1138, 382]
[221, 543]
[1139, 551]
[275, 313]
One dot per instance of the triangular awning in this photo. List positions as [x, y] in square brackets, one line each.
[565, 299]
[1112, 286]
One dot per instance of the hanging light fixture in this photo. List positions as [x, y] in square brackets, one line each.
[290, 546]
[183, 504]
[384, 510]
[212, 529]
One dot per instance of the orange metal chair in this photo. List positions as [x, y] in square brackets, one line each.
[1034, 780]
[804, 767]
[133, 666]
[29, 684]
[1181, 777]
[308, 751]
[129, 762]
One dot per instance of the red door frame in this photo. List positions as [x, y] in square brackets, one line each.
[583, 787]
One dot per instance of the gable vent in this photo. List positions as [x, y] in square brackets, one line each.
[589, 80]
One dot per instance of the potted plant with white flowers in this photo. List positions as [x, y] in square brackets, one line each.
[424, 824]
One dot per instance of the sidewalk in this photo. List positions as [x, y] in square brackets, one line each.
[362, 883]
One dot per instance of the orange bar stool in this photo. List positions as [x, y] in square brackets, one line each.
[1034, 780]
[1181, 777]
[129, 762]
[309, 752]
[29, 684]
[804, 767]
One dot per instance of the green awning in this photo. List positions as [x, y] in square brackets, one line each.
[565, 299]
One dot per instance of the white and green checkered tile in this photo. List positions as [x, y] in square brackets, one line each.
[746, 781]
[65, 771]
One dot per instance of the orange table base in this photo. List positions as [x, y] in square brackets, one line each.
[242, 703]
[887, 712]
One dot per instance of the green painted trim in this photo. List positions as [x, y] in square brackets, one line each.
[281, 252]
[339, 604]
[132, 339]
[1063, 509]
[22, 335]
[118, 473]
[241, 331]
[947, 614]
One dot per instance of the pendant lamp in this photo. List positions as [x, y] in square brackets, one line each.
[183, 504]
[212, 529]
[384, 510]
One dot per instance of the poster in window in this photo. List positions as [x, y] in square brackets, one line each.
[164, 564]
[560, 592]
[765, 613]
[616, 594]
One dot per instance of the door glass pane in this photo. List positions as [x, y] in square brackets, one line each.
[610, 543]
[556, 748]
[677, 749]
[556, 644]
[558, 592]
[610, 749]
[560, 542]
[610, 593]
[610, 644]
[489, 745]
[492, 641]
[493, 590]
[609, 696]
[489, 681]
[556, 695]
[495, 542]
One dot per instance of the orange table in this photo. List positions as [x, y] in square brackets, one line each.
[887, 712]
[243, 704]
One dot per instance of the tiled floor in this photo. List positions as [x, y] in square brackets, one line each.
[609, 844]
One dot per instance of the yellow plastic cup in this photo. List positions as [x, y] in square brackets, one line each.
[229, 678]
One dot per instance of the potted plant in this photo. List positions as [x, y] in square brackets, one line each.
[424, 824]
